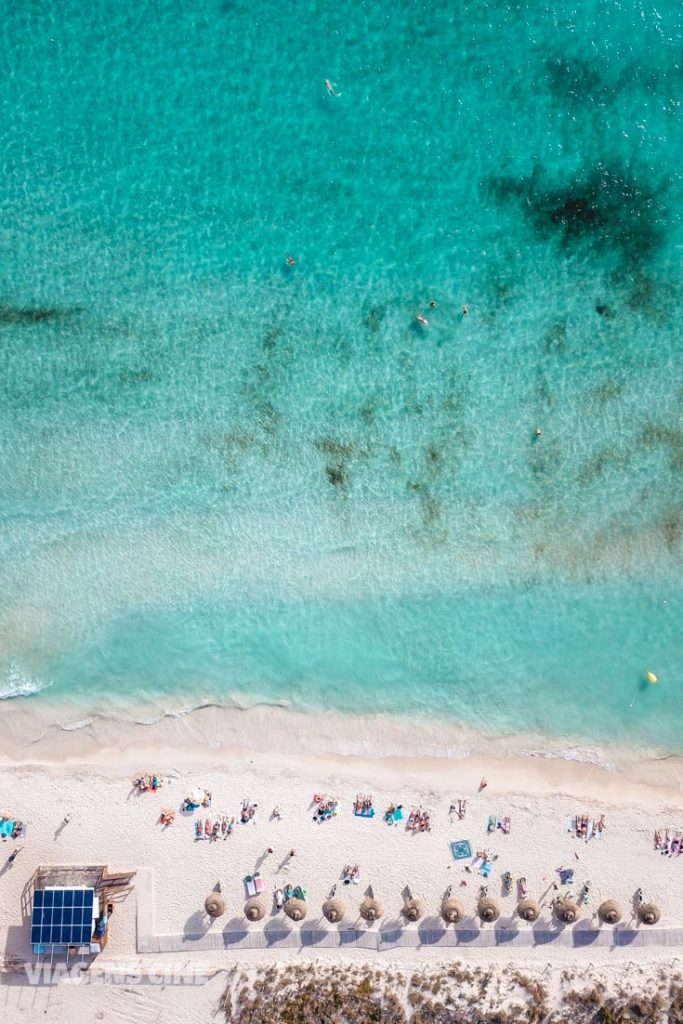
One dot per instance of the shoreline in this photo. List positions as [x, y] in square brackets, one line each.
[361, 746]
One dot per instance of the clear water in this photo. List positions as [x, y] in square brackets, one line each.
[221, 478]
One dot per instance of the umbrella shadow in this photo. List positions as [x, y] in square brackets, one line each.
[585, 933]
[545, 932]
[391, 931]
[431, 936]
[311, 936]
[505, 931]
[275, 932]
[624, 936]
[234, 931]
[348, 936]
[196, 926]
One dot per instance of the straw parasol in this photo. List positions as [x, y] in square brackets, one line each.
[610, 912]
[371, 909]
[413, 909]
[452, 910]
[295, 909]
[254, 909]
[334, 909]
[567, 911]
[488, 910]
[528, 910]
[214, 905]
[649, 913]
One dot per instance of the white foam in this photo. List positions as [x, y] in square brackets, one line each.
[583, 755]
[16, 684]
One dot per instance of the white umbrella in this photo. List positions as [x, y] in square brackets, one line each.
[197, 796]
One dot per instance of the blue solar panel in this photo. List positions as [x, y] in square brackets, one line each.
[62, 917]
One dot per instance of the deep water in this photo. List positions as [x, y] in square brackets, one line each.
[223, 477]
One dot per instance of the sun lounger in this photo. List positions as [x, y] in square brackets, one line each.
[254, 884]
[491, 827]
[505, 826]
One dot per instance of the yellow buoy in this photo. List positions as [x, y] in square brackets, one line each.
[651, 677]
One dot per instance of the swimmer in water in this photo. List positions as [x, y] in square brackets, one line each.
[464, 310]
[331, 88]
[289, 260]
[422, 320]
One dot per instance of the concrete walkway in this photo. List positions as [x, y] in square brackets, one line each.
[237, 933]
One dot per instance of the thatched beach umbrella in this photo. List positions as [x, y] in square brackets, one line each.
[610, 912]
[567, 911]
[295, 909]
[214, 905]
[649, 913]
[528, 910]
[255, 909]
[488, 910]
[371, 909]
[452, 910]
[334, 909]
[413, 909]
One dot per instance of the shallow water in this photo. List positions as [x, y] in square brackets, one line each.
[224, 478]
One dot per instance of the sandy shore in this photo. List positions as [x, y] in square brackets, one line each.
[275, 757]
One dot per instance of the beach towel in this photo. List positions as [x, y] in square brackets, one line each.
[369, 813]
[570, 824]
[397, 815]
[6, 827]
[461, 849]
[492, 823]
[485, 869]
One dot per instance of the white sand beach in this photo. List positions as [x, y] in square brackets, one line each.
[162, 922]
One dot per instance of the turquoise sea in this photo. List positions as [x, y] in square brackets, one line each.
[223, 478]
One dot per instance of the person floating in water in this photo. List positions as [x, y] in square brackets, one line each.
[331, 88]
[464, 310]
[289, 260]
[422, 320]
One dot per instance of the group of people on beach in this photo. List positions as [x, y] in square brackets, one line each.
[147, 783]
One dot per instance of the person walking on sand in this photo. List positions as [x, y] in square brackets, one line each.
[13, 856]
[482, 785]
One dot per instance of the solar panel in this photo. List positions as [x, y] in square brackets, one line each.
[62, 917]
